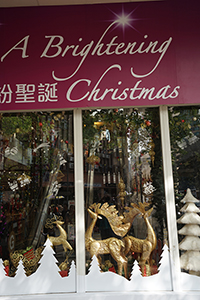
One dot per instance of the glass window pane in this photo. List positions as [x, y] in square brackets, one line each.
[124, 195]
[37, 189]
[185, 136]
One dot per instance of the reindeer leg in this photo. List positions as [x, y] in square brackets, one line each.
[119, 265]
[128, 244]
[125, 269]
[116, 247]
[94, 250]
[147, 248]
[142, 267]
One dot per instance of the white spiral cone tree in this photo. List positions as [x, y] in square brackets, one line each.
[190, 245]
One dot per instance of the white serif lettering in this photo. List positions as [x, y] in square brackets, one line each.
[23, 47]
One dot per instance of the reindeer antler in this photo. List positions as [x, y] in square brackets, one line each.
[120, 224]
[51, 221]
[95, 207]
[130, 213]
[141, 208]
[116, 222]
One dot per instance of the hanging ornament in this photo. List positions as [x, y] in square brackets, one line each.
[108, 177]
[93, 160]
[13, 185]
[24, 179]
[148, 123]
[114, 178]
[118, 176]
[152, 152]
[104, 178]
[60, 176]
[148, 188]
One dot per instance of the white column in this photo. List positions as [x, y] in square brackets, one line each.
[170, 200]
[79, 201]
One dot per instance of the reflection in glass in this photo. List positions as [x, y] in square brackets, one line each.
[37, 189]
[185, 137]
[124, 197]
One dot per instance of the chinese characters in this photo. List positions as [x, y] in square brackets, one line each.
[28, 93]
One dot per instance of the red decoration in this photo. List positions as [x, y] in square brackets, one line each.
[29, 254]
[112, 269]
[64, 273]
[40, 124]
[7, 270]
[148, 123]
[145, 272]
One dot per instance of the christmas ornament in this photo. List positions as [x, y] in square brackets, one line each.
[152, 152]
[122, 192]
[24, 179]
[62, 238]
[93, 159]
[7, 266]
[30, 265]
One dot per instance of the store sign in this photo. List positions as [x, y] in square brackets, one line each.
[133, 54]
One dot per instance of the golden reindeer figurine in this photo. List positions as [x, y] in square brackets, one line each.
[120, 226]
[62, 238]
[143, 246]
[111, 245]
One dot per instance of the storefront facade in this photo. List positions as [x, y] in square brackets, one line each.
[99, 135]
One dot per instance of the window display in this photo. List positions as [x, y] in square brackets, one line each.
[124, 196]
[36, 190]
[185, 134]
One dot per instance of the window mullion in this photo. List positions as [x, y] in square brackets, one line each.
[79, 201]
[170, 199]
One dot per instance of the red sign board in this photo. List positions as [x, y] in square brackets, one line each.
[113, 55]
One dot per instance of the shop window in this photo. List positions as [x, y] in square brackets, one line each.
[185, 142]
[124, 196]
[37, 197]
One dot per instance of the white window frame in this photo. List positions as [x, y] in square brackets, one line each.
[169, 196]
[81, 293]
